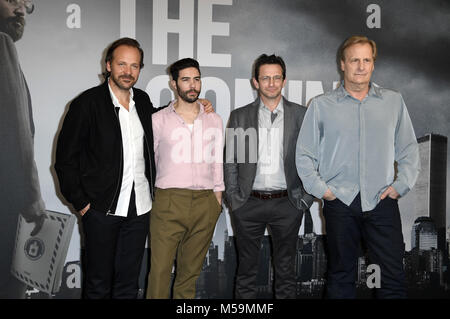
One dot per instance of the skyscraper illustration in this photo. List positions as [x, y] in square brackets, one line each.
[424, 234]
[428, 197]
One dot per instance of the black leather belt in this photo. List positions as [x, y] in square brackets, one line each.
[269, 195]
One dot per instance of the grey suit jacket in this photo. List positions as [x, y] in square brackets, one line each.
[240, 172]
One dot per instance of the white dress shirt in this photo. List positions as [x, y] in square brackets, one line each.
[133, 160]
[270, 167]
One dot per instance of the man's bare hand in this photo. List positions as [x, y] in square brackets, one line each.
[84, 210]
[329, 195]
[207, 105]
[218, 197]
[391, 192]
[36, 217]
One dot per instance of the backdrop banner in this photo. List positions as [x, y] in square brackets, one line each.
[61, 54]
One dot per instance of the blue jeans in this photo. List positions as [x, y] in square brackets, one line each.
[381, 231]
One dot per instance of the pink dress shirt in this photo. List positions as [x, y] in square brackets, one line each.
[185, 159]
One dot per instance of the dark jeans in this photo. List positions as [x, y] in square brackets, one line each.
[114, 248]
[283, 222]
[381, 231]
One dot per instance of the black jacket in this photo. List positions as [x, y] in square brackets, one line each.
[89, 157]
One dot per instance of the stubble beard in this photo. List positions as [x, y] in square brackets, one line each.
[184, 95]
[269, 96]
[121, 86]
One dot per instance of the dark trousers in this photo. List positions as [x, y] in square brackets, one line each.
[114, 247]
[381, 231]
[283, 222]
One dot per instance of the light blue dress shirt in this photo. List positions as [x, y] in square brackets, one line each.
[350, 146]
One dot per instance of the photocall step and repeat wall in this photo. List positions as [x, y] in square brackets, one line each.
[61, 54]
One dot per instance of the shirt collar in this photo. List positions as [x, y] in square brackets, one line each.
[116, 101]
[279, 108]
[374, 90]
[171, 107]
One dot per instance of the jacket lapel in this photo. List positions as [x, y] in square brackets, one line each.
[253, 112]
[253, 119]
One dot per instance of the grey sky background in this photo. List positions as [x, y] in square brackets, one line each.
[413, 44]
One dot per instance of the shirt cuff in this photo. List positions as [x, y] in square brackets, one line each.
[400, 187]
[319, 189]
[220, 188]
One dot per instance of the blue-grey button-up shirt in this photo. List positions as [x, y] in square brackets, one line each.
[350, 146]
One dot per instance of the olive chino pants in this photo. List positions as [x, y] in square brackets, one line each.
[182, 223]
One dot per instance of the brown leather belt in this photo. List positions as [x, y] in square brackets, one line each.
[269, 195]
